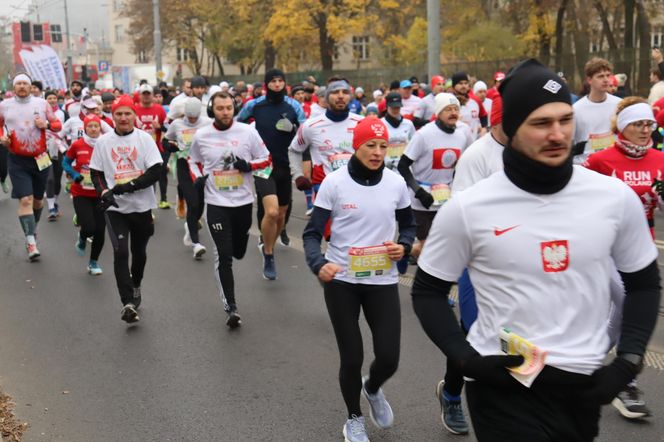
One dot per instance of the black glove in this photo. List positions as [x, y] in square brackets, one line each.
[490, 369]
[169, 146]
[78, 178]
[302, 183]
[119, 189]
[658, 187]
[107, 200]
[425, 197]
[199, 183]
[242, 165]
[578, 148]
[610, 380]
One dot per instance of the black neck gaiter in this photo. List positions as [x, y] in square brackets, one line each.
[394, 122]
[275, 97]
[533, 176]
[337, 116]
[444, 127]
[363, 175]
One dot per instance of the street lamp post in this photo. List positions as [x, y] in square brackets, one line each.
[157, 37]
[70, 67]
[433, 33]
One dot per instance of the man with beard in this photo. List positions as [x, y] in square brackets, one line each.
[472, 111]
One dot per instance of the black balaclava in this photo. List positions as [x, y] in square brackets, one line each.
[274, 97]
[528, 86]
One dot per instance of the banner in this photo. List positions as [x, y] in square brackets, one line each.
[43, 64]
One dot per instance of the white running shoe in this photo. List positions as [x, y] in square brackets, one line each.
[355, 431]
[199, 250]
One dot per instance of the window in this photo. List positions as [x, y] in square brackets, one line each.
[337, 52]
[142, 56]
[181, 54]
[594, 47]
[361, 48]
[118, 5]
[119, 33]
[38, 32]
[26, 32]
[656, 37]
[56, 34]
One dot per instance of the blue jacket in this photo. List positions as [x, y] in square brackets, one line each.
[267, 114]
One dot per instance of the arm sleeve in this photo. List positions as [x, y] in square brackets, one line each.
[404, 169]
[148, 178]
[407, 228]
[98, 180]
[432, 308]
[642, 295]
[312, 237]
[67, 161]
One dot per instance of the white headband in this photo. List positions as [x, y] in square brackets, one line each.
[21, 77]
[634, 113]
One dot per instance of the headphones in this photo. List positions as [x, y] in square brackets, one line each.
[236, 107]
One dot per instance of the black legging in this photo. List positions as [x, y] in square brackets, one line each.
[3, 162]
[54, 181]
[163, 179]
[380, 304]
[229, 227]
[92, 223]
[141, 227]
[193, 198]
[453, 377]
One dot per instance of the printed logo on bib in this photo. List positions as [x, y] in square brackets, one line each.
[125, 158]
[338, 160]
[445, 158]
[601, 141]
[555, 256]
[364, 262]
[227, 179]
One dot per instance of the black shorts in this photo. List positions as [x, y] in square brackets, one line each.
[278, 184]
[27, 179]
[424, 219]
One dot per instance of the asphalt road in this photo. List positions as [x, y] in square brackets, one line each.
[78, 373]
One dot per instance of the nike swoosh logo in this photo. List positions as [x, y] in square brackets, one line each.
[499, 232]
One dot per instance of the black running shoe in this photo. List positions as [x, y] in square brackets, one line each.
[234, 320]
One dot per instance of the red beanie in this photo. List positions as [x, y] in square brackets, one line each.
[436, 80]
[123, 101]
[496, 111]
[370, 128]
[89, 118]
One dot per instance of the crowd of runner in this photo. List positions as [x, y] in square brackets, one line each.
[537, 202]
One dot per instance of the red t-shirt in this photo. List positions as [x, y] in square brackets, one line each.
[151, 119]
[638, 173]
[80, 153]
[491, 93]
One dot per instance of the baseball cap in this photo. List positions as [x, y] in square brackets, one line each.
[145, 88]
[107, 97]
[393, 99]
[405, 83]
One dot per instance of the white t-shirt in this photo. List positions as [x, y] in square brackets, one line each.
[217, 150]
[541, 264]
[470, 114]
[429, 103]
[316, 110]
[330, 143]
[122, 159]
[480, 160]
[488, 104]
[412, 107]
[398, 140]
[182, 132]
[362, 216]
[435, 155]
[593, 124]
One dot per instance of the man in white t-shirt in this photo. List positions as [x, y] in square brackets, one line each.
[429, 160]
[399, 129]
[125, 164]
[472, 112]
[593, 113]
[540, 241]
[413, 108]
[429, 102]
[480, 91]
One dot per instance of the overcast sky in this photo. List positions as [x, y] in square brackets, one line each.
[90, 14]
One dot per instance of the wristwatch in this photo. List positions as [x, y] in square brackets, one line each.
[633, 358]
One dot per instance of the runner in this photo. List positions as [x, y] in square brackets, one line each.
[563, 228]
[72, 130]
[107, 100]
[413, 107]
[479, 94]
[631, 160]
[429, 160]
[472, 112]
[229, 153]
[125, 164]
[277, 118]
[89, 216]
[429, 101]
[76, 96]
[56, 147]
[178, 140]
[24, 120]
[400, 130]
[358, 270]
[594, 111]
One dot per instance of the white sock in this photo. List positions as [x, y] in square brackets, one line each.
[51, 203]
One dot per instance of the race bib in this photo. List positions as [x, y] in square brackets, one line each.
[395, 150]
[533, 357]
[440, 193]
[187, 138]
[601, 141]
[339, 160]
[227, 179]
[87, 179]
[364, 262]
[125, 177]
[43, 161]
[263, 173]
